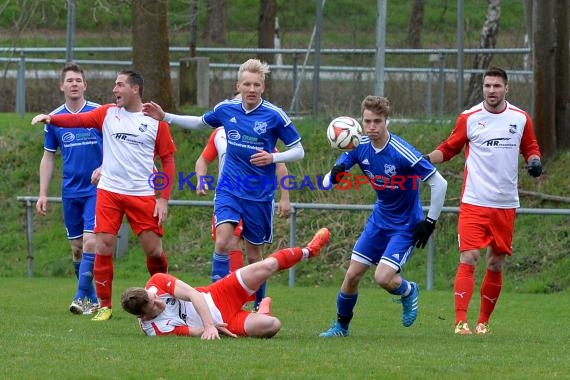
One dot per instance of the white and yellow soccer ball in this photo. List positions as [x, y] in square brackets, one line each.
[344, 133]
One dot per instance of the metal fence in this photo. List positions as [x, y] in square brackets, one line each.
[425, 88]
[30, 202]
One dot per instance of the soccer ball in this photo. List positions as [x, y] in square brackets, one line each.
[344, 133]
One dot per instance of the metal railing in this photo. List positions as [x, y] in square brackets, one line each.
[30, 202]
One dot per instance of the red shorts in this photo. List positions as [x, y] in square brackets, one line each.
[229, 296]
[237, 231]
[480, 227]
[111, 207]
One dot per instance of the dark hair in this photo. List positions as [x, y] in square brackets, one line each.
[133, 300]
[494, 71]
[377, 104]
[70, 66]
[134, 79]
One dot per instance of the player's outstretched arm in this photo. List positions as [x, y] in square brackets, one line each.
[41, 118]
[185, 292]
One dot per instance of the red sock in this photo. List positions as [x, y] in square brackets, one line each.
[463, 290]
[157, 264]
[103, 275]
[236, 260]
[287, 257]
[490, 291]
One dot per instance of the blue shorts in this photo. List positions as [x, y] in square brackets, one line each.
[257, 216]
[79, 215]
[392, 247]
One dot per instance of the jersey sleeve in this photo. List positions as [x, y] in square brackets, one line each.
[456, 140]
[50, 139]
[162, 281]
[164, 143]
[529, 145]
[210, 151]
[91, 119]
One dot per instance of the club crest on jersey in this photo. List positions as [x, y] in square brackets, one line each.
[390, 170]
[513, 128]
[143, 127]
[260, 127]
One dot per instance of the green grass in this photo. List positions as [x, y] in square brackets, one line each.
[42, 340]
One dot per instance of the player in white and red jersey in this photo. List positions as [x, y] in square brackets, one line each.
[128, 181]
[169, 306]
[494, 133]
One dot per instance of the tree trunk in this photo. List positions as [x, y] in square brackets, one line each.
[215, 31]
[266, 35]
[416, 24]
[562, 75]
[150, 50]
[487, 40]
[544, 63]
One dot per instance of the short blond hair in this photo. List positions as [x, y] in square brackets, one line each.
[254, 66]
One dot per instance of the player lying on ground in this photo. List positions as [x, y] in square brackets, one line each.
[169, 306]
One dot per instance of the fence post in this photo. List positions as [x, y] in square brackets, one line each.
[21, 86]
[292, 241]
[29, 237]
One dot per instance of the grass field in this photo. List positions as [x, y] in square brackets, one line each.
[42, 340]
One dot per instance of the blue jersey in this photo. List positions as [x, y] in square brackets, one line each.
[81, 152]
[247, 131]
[395, 172]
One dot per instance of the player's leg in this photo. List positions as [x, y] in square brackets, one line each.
[252, 276]
[399, 249]
[109, 216]
[257, 221]
[85, 283]
[501, 246]
[227, 214]
[366, 252]
[140, 214]
[261, 325]
[236, 248]
[472, 236]
[72, 217]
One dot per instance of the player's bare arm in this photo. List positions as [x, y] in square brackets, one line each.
[185, 292]
[284, 205]
[261, 158]
[41, 118]
[201, 169]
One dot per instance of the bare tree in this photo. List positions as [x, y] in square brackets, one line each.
[215, 30]
[415, 25]
[150, 50]
[487, 40]
[266, 35]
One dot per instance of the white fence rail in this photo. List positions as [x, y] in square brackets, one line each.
[30, 202]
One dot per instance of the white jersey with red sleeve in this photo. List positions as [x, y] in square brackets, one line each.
[179, 316]
[493, 142]
[131, 141]
[216, 147]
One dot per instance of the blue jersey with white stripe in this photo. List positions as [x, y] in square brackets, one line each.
[395, 172]
[81, 153]
[246, 132]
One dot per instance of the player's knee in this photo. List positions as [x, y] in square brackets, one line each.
[273, 325]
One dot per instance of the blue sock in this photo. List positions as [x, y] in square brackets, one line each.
[345, 306]
[76, 265]
[402, 290]
[220, 266]
[259, 295]
[85, 286]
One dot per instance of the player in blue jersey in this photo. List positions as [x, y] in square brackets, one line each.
[81, 152]
[247, 183]
[397, 224]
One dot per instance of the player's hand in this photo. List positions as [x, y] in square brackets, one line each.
[161, 210]
[41, 205]
[222, 328]
[422, 232]
[261, 158]
[201, 192]
[337, 172]
[41, 118]
[210, 333]
[284, 208]
[153, 110]
[96, 175]
[534, 167]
